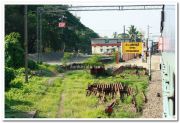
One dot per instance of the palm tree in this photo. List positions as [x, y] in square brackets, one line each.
[132, 33]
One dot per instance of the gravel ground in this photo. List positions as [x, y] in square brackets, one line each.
[154, 107]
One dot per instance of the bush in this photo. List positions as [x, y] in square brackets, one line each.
[14, 53]
[94, 60]
[66, 58]
[32, 65]
[20, 71]
[9, 75]
[60, 69]
[17, 82]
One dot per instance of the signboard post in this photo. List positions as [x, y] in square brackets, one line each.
[132, 47]
[117, 57]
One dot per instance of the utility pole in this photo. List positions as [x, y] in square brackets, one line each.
[37, 17]
[121, 52]
[40, 37]
[149, 49]
[147, 41]
[26, 42]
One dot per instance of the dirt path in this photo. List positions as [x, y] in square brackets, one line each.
[51, 80]
[61, 103]
[60, 108]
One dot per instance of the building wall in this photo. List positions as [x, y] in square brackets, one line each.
[127, 56]
[105, 45]
[105, 49]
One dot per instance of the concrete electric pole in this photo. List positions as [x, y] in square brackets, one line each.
[26, 43]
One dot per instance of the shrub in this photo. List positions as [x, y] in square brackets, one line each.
[67, 56]
[60, 69]
[20, 71]
[14, 53]
[9, 75]
[17, 82]
[32, 65]
[94, 60]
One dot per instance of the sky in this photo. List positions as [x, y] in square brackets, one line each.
[106, 22]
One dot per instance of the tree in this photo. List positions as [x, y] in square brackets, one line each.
[13, 51]
[132, 33]
[75, 36]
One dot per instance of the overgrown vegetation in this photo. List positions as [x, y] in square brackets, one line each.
[78, 105]
[66, 58]
[40, 93]
[45, 95]
[94, 60]
[13, 51]
[9, 75]
[45, 92]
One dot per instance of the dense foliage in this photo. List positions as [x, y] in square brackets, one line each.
[75, 36]
[24, 97]
[9, 75]
[13, 51]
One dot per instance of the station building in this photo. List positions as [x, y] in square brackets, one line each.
[105, 46]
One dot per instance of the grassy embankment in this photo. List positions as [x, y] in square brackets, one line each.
[40, 94]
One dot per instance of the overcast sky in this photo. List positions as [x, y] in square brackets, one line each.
[107, 22]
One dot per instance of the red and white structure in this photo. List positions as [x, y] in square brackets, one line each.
[105, 45]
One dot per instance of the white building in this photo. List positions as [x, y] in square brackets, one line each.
[105, 45]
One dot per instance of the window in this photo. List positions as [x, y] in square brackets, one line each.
[101, 50]
[106, 41]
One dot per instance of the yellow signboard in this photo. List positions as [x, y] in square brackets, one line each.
[132, 47]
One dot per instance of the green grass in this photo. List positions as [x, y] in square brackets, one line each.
[37, 95]
[46, 98]
[78, 105]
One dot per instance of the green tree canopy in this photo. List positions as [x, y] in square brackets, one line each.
[75, 36]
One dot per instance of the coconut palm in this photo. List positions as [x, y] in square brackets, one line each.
[132, 33]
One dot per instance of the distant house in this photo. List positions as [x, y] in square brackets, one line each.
[105, 45]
